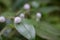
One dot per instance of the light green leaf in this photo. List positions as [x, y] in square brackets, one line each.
[26, 29]
[8, 14]
[46, 31]
[48, 9]
[57, 26]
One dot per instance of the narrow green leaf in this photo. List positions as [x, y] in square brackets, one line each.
[48, 9]
[18, 4]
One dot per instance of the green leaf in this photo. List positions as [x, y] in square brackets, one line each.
[8, 14]
[18, 4]
[15, 38]
[0, 38]
[26, 29]
[7, 2]
[44, 1]
[49, 9]
[57, 26]
[46, 31]
[53, 20]
[2, 25]
[7, 32]
[35, 4]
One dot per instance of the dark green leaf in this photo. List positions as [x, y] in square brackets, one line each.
[18, 4]
[7, 2]
[0, 38]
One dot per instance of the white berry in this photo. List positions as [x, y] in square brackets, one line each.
[17, 20]
[38, 15]
[27, 6]
[2, 19]
[22, 15]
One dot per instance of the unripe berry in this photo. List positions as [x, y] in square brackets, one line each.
[2, 19]
[22, 15]
[27, 6]
[17, 20]
[38, 15]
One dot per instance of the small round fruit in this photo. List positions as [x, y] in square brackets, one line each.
[2, 19]
[22, 15]
[17, 20]
[27, 6]
[38, 15]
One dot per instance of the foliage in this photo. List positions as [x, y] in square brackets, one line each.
[47, 28]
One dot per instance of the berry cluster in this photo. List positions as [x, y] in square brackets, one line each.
[21, 16]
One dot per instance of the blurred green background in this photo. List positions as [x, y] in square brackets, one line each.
[48, 27]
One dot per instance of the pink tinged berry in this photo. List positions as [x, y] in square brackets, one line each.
[27, 6]
[2, 19]
[17, 20]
